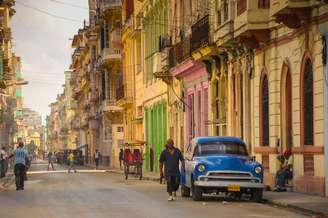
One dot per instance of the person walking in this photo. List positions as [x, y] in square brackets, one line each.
[71, 159]
[120, 157]
[169, 162]
[151, 157]
[97, 158]
[20, 161]
[3, 162]
[51, 161]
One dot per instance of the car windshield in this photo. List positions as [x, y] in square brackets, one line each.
[214, 148]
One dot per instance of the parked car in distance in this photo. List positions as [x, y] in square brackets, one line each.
[220, 165]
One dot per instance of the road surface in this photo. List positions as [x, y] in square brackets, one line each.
[100, 195]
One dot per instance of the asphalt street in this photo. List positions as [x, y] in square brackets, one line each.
[100, 195]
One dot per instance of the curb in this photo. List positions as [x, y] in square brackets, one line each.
[314, 214]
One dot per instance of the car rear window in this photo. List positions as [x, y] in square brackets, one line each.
[214, 148]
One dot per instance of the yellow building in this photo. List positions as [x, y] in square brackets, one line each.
[256, 72]
[130, 92]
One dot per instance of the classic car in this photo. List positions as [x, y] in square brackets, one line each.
[220, 165]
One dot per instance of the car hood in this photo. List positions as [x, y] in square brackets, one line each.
[225, 162]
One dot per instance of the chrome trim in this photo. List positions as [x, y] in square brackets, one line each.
[230, 176]
[218, 184]
[229, 171]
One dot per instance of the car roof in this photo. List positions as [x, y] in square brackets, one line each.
[206, 139]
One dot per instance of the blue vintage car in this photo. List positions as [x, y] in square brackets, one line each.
[220, 165]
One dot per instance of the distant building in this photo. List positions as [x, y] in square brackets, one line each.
[32, 118]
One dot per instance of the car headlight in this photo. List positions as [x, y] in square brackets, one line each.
[258, 170]
[201, 168]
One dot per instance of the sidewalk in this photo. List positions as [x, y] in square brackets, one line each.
[310, 204]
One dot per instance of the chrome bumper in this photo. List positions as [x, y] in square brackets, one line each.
[225, 184]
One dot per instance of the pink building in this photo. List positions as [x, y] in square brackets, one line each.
[196, 89]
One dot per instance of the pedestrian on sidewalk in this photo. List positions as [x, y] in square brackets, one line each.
[120, 157]
[97, 158]
[3, 162]
[71, 159]
[169, 160]
[20, 161]
[51, 161]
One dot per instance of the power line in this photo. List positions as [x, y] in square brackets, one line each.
[69, 4]
[47, 13]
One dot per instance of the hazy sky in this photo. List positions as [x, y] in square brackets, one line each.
[43, 43]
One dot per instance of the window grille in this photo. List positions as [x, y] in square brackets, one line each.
[265, 112]
[308, 104]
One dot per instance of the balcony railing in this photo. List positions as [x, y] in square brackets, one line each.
[110, 54]
[200, 34]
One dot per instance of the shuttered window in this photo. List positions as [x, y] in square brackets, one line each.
[308, 104]
[265, 112]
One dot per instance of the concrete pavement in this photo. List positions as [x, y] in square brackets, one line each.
[309, 204]
[100, 195]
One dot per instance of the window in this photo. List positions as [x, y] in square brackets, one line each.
[308, 104]
[199, 113]
[120, 129]
[218, 8]
[217, 148]
[103, 86]
[206, 111]
[264, 126]
[241, 6]
[264, 4]
[225, 10]
[191, 117]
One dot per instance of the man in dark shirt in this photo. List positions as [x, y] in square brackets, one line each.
[169, 160]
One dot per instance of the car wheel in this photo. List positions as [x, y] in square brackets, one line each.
[257, 195]
[185, 191]
[197, 193]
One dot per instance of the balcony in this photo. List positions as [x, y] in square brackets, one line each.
[110, 106]
[200, 34]
[110, 4]
[251, 25]
[292, 13]
[179, 52]
[225, 23]
[124, 96]
[110, 56]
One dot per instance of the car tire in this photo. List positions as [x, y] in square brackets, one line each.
[197, 193]
[257, 195]
[185, 191]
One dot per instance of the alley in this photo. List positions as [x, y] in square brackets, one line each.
[108, 195]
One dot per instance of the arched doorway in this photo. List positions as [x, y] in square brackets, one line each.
[286, 109]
